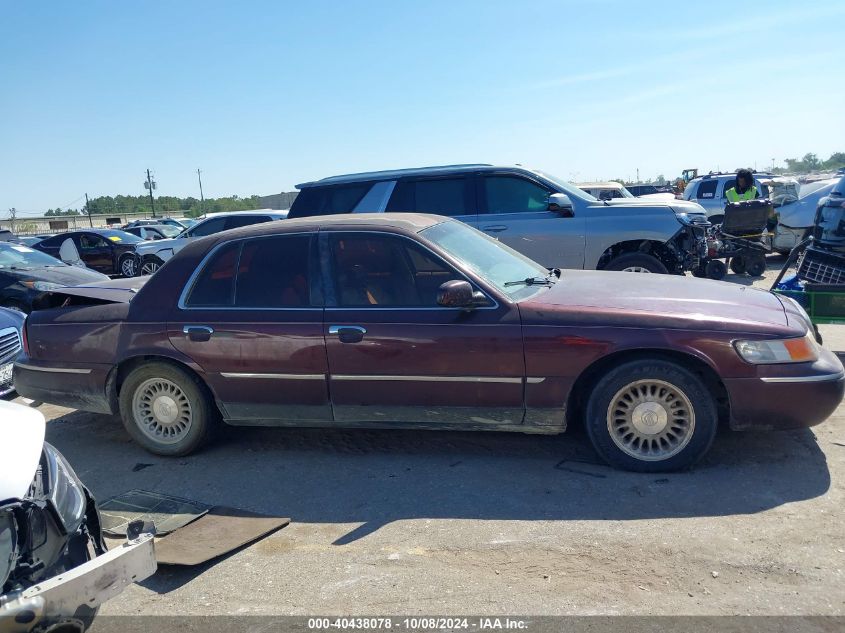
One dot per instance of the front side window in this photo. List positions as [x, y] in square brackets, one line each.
[89, 242]
[508, 194]
[209, 227]
[370, 270]
[441, 196]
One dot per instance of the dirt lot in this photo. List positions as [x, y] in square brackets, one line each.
[455, 523]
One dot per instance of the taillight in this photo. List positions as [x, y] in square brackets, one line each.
[24, 339]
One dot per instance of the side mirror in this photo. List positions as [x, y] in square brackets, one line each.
[456, 294]
[560, 203]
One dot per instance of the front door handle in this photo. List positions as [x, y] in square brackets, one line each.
[495, 228]
[348, 333]
[198, 333]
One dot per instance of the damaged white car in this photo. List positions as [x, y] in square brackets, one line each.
[54, 568]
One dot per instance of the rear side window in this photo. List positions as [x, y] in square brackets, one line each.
[508, 194]
[706, 189]
[328, 200]
[441, 196]
[215, 286]
[236, 221]
[274, 273]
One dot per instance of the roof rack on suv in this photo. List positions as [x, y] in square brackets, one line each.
[388, 174]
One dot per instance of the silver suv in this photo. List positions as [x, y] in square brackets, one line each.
[153, 254]
[547, 219]
[711, 192]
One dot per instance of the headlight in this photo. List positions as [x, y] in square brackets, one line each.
[42, 286]
[8, 542]
[788, 350]
[64, 489]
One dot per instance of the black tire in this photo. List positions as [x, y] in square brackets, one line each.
[699, 271]
[203, 413]
[691, 445]
[127, 265]
[756, 267]
[149, 265]
[637, 260]
[716, 269]
[738, 264]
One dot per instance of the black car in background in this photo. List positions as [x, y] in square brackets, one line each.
[107, 251]
[10, 346]
[25, 273]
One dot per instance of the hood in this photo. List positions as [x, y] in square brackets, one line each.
[678, 206]
[597, 298]
[64, 275]
[108, 291]
[21, 441]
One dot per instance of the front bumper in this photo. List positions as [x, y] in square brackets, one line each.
[75, 593]
[786, 397]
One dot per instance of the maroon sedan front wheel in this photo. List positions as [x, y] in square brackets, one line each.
[651, 416]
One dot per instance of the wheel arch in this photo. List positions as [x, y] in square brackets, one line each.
[583, 386]
[121, 371]
[646, 246]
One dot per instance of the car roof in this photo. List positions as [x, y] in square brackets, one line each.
[601, 185]
[224, 214]
[731, 174]
[406, 222]
[392, 174]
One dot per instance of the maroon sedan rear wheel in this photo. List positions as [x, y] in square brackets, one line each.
[166, 409]
[651, 416]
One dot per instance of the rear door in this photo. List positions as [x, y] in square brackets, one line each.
[451, 196]
[252, 318]
[515, 210]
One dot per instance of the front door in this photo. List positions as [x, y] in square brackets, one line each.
[396, 356]
[96, 253]
[515, 210]
[253, 321]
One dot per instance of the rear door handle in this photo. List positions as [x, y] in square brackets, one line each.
[198, 333]
[348, 333]
[495, 228]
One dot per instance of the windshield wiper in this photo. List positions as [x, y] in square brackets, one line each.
[532, 281]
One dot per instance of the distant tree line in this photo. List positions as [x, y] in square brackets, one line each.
[811, 162]
[164, 205]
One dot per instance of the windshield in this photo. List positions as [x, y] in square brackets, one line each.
[120, 237]
[170, 230]
[567, 187]
[20, 257]
[486, 257]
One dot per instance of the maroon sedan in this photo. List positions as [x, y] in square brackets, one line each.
[418, 321]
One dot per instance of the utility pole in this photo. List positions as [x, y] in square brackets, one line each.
[202, 199]
[638, 175]
[150, 185]
[13, 213]
[88, 211]
[773, 165]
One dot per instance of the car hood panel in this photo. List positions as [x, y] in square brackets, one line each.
[64, 275]
[651, 300]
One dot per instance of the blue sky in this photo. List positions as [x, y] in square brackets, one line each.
[263, 95]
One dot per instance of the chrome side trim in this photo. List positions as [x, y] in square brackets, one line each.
[227, 374]
[478, 379]
[534, 381]
[53, 370]
[799, 379]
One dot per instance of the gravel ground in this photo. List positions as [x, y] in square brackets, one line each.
[392, 522]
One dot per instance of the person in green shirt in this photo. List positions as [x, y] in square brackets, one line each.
[744, 188]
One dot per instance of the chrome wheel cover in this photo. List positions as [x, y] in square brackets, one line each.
[162, 411]
[650, 420]
[148, 268]
[635, 269]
